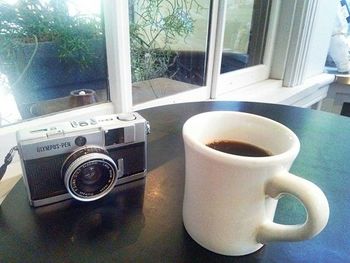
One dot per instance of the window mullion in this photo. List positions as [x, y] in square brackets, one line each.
[118, 53]
[301, 31]
[305, 29]
[216, 42]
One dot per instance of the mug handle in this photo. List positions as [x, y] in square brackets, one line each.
[314, 201]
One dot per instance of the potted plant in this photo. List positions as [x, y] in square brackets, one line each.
[46, 52]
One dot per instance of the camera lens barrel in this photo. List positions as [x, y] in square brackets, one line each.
[89, 173]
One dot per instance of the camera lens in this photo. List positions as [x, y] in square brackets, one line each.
[89, 173]
[91, 178]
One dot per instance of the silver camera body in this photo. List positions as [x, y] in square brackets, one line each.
[84, 160]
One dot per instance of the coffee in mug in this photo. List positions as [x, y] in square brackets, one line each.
[238, 148]
[237, 167]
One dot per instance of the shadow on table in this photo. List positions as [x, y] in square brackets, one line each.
[118, 218]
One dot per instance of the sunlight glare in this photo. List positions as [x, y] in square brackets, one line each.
[75, 7]
[8, 108]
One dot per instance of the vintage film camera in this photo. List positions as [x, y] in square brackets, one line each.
[84, 160]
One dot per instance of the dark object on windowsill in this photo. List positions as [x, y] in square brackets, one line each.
[82, 97]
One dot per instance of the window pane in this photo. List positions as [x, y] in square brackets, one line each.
[52, 57]
[245, 32]
[168, 41]
[338, 58]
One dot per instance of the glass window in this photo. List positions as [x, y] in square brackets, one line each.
[53, 53]
[338, 59]
[244, 35]
[168, 41]
[52, 57]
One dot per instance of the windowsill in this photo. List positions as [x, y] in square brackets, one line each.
[312, 91]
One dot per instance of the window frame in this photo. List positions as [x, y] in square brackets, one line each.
[220, 83]
[306, 26]
[230, 81]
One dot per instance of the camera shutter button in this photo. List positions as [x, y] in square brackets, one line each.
[126, 117]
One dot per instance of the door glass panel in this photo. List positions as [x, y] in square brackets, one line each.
[52, 57]
[168, 41]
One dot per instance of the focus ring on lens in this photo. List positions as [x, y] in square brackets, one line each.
[89, 158]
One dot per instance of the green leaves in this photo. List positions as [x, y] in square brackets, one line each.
[155, 25]
[48, 22]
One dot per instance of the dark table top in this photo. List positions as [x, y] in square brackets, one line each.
[144, 223]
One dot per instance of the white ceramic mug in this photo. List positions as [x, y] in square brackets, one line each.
[230, 200]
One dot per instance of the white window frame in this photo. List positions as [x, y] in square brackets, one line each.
[220, 83]
[116, 16]
[297, 56]
[234, 80]
[306, 27]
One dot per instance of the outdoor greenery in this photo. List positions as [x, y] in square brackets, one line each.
[32, 21]
[154, 26]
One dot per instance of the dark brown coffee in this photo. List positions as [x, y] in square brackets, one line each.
[239, 148]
